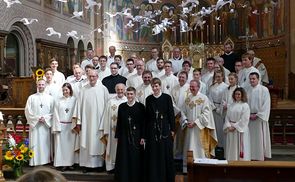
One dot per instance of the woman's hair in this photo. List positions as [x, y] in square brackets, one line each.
[243, 92]
[42, 174]
[69, 86]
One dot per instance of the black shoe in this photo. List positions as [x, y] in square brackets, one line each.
[71, 168]
[63, 169]
[85, 170]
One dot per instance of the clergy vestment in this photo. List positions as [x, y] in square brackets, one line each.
[258, 64]
[76, 86]
[151, 65]
[158, 73]
[134, 81]
[206, 78]
[129, 131]
[39, 105]
[245, 72]
[103, 73]
[215, 96]
[237, 145]
[111, 81]
[203, 88]
[88, 112]
[176, 64]
[179, 94]
[168, 82]
[142, 92]
[128, 74]
[58, 78]
[160, 122]
[259, 102]
[64, 138]
[227, 97]
[86, 62]
[108, 127]
[54, 90]
[201, 139]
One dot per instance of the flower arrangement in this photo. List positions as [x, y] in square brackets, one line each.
[17, 152]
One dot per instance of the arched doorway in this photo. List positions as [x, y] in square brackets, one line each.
[81, 51]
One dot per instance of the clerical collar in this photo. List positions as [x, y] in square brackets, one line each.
[157, 96]
[228, 53]
[131, 104]
[179, 58]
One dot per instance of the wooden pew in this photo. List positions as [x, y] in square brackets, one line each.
[246, 171]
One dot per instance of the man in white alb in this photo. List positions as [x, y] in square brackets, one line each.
[39, 112]
[160, 69]
[103, 71]
[111, 57]
[176, 60]
[136, 80]
[88, 60]
[88, 114]
[58, 77]
[168, 80]
[130, 67]
[247, 69]
[151, 65]
[145, 89]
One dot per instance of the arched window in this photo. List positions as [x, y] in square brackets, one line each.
[89, 46]
[81, 51]
[11, 64]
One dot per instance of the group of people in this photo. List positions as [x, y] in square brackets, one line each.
[136, 118]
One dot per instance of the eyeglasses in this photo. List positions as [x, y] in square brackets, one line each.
[114, 68]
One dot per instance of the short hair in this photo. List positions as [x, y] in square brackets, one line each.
[198, 70]
[243, 92]
[160, 59]
[118, 84]
[211, 59]
[89, 66]
[53, 59]
[168, 62]
[130, 60]
[131, 89]
[254, 73]
[48, 69]
[156, 81]
[186, 62]
[42, 174]
[118, 56]
[183, 73]
[103, 57]
[246, 55]
[196, 81]
[114, 63]
[147, 72]
[227, 43]
[69, 86]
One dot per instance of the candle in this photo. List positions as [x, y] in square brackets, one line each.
[207, 34]
[191, 37]
[220, 33]
[180, 35]
[174, 29]
[200, 63]
[202, 34]
[213, 36]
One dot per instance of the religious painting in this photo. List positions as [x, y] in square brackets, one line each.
[35, 1]
[52, 4]
[72, 5]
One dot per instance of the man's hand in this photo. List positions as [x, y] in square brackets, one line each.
[231, 129]
[77, 129]
[41, 120]
[191, 124]
[253, 117]
[142, 141]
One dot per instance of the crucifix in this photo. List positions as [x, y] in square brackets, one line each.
[129, 119]
[67, 110]
[157, 114]
[41, 105]
[247, 37]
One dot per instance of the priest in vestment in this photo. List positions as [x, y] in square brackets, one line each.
[198, 123]
[38, 112]
[245, 72]
[109, 124]
[130, 135]
[169, 80]
[145, 89]
[136, 79]
[259, 102]
[88, 115]
[160, 127]
[58, 77]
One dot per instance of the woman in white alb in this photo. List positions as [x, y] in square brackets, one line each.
[64, 138]
[227, 97]
[236, 128]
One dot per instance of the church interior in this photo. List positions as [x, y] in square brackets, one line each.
[34, 31]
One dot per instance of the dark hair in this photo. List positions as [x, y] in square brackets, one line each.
[114, 63]
[103, 57]
[118, 56]
[187, 62]
[89, 66]
[160, 59]
[156, 81]
[198, 70]
[243, 92]
[183, 73]
[130, 60]
[254, 73]
[147, 72]
[168, 62]
[217, 72]
[69, 86]
[211, 59]
[47, 69]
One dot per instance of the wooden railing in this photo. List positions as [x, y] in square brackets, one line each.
[282, 126]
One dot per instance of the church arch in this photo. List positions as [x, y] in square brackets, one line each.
[89, 46]
[72, 51]
[20, 52]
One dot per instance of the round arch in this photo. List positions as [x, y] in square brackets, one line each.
[20, 42]
[72, 51]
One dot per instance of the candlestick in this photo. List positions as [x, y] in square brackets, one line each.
[213, 36]
[207, 34]
[220, 33]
